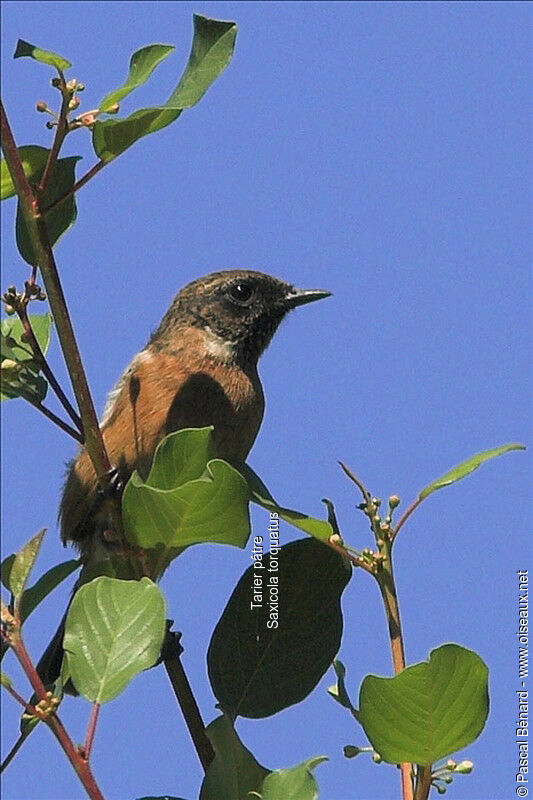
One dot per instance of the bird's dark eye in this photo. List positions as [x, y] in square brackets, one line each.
[241, 293]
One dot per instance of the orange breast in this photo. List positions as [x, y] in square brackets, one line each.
[164, 391]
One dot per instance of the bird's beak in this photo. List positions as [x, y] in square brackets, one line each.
[299, 297]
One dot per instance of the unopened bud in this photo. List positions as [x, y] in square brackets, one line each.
[41, 106]
[71, 85]
[112, 109]
[80, 87]
[8, 365]
[394, 501]
[74, 103]
[55, 82]
[9, 310]
[50, 125]
[88, 119]
[351, 751]
[464, 767]
[335, 539]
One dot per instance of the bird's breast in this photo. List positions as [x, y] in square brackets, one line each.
[164, 391]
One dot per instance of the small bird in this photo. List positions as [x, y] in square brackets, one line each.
[199, 368]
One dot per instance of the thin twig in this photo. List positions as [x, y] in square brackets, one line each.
[405, 516]
[13, 752]
[367, 497]
[16, 696]
[60, 134]
[76, 186]
[186, 700]
[358, 562]
[14, 165]
[40, 358]
[52, 720]
[91, 730]
[59, 422]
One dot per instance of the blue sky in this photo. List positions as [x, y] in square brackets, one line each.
[377, 150]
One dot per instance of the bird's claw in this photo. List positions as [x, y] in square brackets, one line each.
[115, 483]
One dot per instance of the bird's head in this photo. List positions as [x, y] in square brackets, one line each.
[239, 310]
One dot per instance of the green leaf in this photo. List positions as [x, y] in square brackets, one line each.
[33, 158]
[114, 136]
[466, 467]
[212, 49]
[319, 528]
[33, 596]
[297, 783]
[16, 569]
[19, 383]
[263, 659]
[19, 372]
[142, 64]
[12, 330]
[211, 506]
[234, 771]
[44, 56]
[5, 570]
[182, 457]
[60, 218]
[114, 630]
[429, 710]
[5, 681]
[338, 691]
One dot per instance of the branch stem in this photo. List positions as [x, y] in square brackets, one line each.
[12, 753]
[423, 783]
[45, 368]
[357, 562]
[59, 422]
[76, 186]
[16, 696]
[405, 516]
[187, 701]
[59, 138]
[387, 587]
[46, 262]
[362, 488]
[79, 763]
[91, 730]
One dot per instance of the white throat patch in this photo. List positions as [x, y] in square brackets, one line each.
[218, 347]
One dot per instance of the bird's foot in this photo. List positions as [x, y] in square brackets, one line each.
[115, 483]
